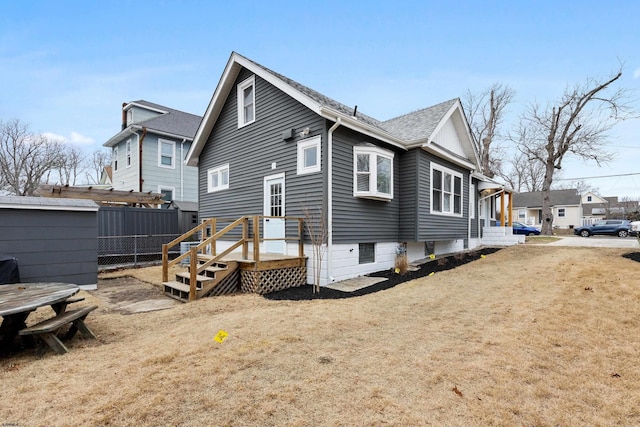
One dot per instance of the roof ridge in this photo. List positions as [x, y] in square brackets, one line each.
[422, 109]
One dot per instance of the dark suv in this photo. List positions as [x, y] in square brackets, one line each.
[612, 227]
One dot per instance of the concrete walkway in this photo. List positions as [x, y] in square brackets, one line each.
[597, 242]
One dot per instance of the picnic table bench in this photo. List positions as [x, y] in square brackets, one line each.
[48, 329]
[17, 301]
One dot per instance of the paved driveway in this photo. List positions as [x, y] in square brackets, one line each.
[597, 242]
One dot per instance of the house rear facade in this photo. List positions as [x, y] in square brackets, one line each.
[148, 152]
[268, 145]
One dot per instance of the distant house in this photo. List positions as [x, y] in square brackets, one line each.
[566, 208]
[268, 145]
[149, 151]
[595, 207]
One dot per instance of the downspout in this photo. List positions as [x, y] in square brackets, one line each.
[330, 197]
[141, 139]
[139, 153]
[182, 168]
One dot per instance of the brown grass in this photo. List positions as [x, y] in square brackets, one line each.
[527, 336]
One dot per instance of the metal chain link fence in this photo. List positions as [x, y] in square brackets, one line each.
[133, 251]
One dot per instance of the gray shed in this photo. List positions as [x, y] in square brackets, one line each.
[54, 240]
[187, 214]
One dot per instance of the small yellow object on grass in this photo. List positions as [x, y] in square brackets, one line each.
[432, 273]
[483, 256]
[220, 336]
[432, 256]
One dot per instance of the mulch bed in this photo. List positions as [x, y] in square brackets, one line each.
[305, 292]
[633, 256]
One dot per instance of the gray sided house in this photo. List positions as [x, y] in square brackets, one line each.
[54, 240]
[149, 151]
[268, 145]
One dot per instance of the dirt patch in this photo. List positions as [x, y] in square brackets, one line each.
[128, 295]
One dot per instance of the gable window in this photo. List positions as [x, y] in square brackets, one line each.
[561, 212]
[166, 153]
[446, 191]
[588, 198]
[218, 178]
[115, 158]
[366, 253]
[309, 155]
[372, 172]
[128, 153]
[246, 102]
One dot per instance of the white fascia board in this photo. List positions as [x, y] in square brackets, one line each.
[447, 156]
[114, 140]
[231, 71]
[354, 124]
[146, 107]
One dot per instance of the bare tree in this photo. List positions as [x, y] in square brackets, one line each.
[575, 125]
[99, 159]
[72, 165]
[525, 174]
[25, 158]
[315, 224]
[485, 112]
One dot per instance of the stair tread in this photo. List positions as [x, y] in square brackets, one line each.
[199, 277]
[177, 285]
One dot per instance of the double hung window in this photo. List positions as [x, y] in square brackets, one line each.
[446, 191]
[246, 102]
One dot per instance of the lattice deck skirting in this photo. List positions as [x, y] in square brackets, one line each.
[228, 285]
[265, 281]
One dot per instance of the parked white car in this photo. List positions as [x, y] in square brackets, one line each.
[635, 228]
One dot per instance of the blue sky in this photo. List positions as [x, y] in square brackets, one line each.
[66, 67]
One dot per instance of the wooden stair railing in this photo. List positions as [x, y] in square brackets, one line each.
[196, 267]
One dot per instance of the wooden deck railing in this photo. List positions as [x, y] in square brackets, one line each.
[209, 238]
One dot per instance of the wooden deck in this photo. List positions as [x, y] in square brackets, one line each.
[214, 272]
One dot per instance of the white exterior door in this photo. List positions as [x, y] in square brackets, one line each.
[273, 228]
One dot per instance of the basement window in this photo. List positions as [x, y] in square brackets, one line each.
[366, 253]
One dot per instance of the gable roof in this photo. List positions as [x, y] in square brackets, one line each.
[424, 122]
[557, 198]
[171, 122]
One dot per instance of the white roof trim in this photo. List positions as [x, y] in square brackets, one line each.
[146, 107]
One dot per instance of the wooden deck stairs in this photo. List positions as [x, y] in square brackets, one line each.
[211, 272]
[217, 279]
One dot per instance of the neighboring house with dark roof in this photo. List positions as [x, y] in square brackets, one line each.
[595, 208]
[149, 151]
[566, 208]
[269, 145]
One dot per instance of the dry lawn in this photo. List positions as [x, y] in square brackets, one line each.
[528, 336]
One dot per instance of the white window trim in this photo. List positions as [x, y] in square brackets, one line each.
[128, 150]
[373, 152]
[313, 142]
[218, 170]
[443, 169]
[115, 159]
[173, 153]
[251, 81]
[161, 188]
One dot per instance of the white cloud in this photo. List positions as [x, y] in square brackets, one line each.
[76, 138]
[55, 136]
[636, 73]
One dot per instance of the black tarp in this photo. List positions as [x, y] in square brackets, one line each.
[9, 272]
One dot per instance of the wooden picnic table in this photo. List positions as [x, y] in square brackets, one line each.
[18, 300]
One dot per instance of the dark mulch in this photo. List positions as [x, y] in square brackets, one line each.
[633, 256]
[305, 292]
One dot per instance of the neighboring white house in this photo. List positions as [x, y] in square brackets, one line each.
[148, 153]
[566, 208]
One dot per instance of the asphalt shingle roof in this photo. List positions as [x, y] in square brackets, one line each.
[175, 121]
[557, 198]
